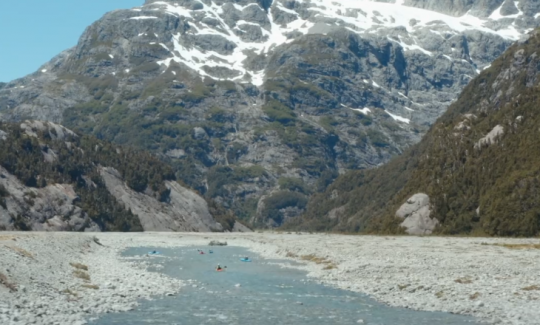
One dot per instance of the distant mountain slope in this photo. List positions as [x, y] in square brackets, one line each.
[252, 100]
[476, 170]
[54, 179]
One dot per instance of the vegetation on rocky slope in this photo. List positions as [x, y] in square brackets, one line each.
[76, 161]
[335, 99]
[475, 186]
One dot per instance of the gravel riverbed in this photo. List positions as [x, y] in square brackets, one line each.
[496, 280]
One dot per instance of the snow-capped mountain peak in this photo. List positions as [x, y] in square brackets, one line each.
[248, 30]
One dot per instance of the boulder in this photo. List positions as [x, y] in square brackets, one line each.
[416, 214]
[199, 133]
[491, 137]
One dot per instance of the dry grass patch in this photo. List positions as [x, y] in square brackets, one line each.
[21, 251]
[6, 283]
[90, 286]
[81, 275]
[319, 260]
[79, 266]
[291, 255]
[439, 294]
[475, 296]
[531, 288]
[403, 286]
[70, 292]
[5, 237]
[315, 259]
[519, 246]
[464, 280]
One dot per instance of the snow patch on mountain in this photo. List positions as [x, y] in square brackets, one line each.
[398, 118]
[358, 16]
[497, 15]
[198, 59]
[143, 17]
[364, 110]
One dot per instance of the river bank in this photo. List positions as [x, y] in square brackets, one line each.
[494, 279]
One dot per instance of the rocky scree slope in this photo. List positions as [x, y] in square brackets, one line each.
[475, 172]
[55, 180]
[259, 104]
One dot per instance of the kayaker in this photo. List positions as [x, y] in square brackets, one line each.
[218, 267]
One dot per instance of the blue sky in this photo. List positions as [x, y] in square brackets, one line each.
[33, 31]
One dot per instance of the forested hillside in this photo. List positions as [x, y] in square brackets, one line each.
[479, 163]
[41, 159]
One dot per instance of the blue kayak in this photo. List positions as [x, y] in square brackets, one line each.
[243, 259]
[154, 253]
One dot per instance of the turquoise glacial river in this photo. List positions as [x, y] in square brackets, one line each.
[258, 293]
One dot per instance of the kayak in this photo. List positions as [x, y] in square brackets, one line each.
[243, 259]
[211, 252]
[220, 270]
[201, 253]
[154, 253]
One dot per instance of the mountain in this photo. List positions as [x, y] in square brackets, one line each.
[475, 172]
[56, 180]
[257, 104]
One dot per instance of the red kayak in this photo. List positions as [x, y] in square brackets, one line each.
[201, 253]
[220, 270]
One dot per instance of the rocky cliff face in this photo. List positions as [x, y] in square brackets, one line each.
[50, 208]
[53, 180]
[183, 211]
[250, 99]
[475, 172]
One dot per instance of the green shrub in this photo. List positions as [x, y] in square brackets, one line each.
[314, 166]
[221, 176]
[377, 138]
[328, 123]
[278, 112]
[217, 114]
[147, 67]
[281, 200]
[198, 93]
[293, 184]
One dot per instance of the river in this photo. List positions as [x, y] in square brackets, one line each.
[260, 292]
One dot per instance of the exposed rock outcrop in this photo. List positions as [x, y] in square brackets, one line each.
[238, 227]
[491, 137]
[416, 212]
[45, 209]
[51, 179]
[53, 130]
[184, 211]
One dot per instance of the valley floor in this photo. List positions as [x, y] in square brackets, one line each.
[494, 279]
